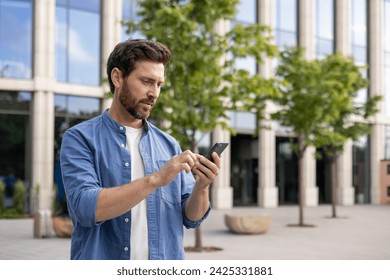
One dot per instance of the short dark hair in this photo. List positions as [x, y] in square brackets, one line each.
[126, 54]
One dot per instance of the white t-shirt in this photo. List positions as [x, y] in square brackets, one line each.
[139, 225]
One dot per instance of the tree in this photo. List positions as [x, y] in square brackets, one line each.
[318, 104]
[348, 117]
[202, 84]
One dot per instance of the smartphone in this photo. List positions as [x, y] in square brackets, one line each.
[218, 148]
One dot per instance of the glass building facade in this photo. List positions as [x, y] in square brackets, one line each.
[16, 25]
[51, 70]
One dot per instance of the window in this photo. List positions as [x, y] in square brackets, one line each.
[16, 39]
[358, 20]
[246, 15]
[129, 12]
[386, 56]
[361, 170]
[15, 137]
[324, 24]
[285, 24]
[78, 42]
[69, 111]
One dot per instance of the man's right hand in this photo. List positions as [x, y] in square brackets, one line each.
[185, 161]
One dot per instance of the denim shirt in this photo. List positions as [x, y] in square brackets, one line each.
[94, 156]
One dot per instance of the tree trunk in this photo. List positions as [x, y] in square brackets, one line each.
[198, 231]
[198, 238]
[301, 188]
[334, 185]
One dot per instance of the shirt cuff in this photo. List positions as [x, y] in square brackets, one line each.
[194, 224]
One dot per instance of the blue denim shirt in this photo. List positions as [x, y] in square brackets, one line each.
[94, 156]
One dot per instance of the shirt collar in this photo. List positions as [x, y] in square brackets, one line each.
[119, 127]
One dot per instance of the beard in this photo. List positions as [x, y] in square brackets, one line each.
[130, 104]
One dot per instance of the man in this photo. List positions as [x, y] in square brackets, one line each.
[129, 187]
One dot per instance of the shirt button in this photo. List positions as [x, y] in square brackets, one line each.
[126, 164]
[127, 220]
[121, 127]
[126, 249]
[122, 145]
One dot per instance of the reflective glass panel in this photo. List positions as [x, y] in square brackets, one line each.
[386, 63]
[361, 170]
[77, 105]
[78, 43]
[246, 15]
[386, 24]
[246, 12]
[324, 24]
[243, 120]
[358, 25]
[14, 139]
[61, 45]
[285, 22]
[287, 15]
[386, 80]
[129, 12]
[86, 5]
[324, 47]
[359, 22]
[15, 101]
[16, 39]
[69, 111]
[362, 94]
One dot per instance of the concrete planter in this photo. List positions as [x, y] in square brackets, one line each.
[248, 224]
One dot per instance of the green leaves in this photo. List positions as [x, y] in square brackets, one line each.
[319, 100]
[202, 85]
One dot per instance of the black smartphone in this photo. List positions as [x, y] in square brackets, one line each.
[218, 148]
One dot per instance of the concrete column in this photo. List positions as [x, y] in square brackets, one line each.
[375, 57]
[306, 41]
[44, 44]
[305, 27]
[267, 191]
[42, 163]
[42, 151]
[345, 189]
[222, 191]
[310, 195]
[111, 35]
[342, 29]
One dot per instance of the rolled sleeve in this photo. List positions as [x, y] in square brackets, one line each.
[187, 222]
[80, 179]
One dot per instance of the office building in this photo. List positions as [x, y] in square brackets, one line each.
[52, 61]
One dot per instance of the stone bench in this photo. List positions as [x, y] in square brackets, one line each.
[247, 224]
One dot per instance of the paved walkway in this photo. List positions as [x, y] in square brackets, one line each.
[361, 233]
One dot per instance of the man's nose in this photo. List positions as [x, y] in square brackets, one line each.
[154, 91]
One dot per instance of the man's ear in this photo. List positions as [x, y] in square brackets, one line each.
[116, 77]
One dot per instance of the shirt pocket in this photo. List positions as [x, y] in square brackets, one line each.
[170, 193]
